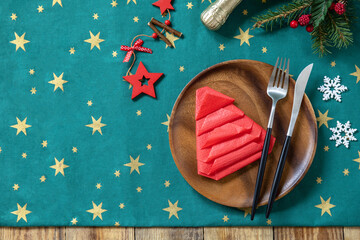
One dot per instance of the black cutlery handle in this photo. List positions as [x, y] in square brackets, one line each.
[277, 178]
[261, 171]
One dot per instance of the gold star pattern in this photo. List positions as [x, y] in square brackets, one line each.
[98, 186]
[245, 12]
[121, 206]
[173, 209]
[357, 159]
[134, 164]
[167, 122]
[58, 82]
[21, 212]
[13, 16]
[89, 103]
[16, 187]
[59, 167]
[269, 222]
[244, 37]
[0, 150]
[19, 41]
[221, 47]
[44, 144]
[264, 50]
[326, 148]
[117, 173]
[138, 112]
[149, 147]
[247, 211]
[346, 172]
[225, 218]
[181, 68]
[74, 149]
[57, 1]
[356, 74]
[171, 38]
[74, 221]
[96, 125]
[24, 155]
[139, 189]
[33, 90]
[167, 183]
[128, 1]
[333, 64]
[325, 206]
[189, 5]
[117, 224]
[21, 126]
[136, 19]
[94, 40]
[96, 211]
[72, 51]
[95, 16]
[319, 180]
[42, 178]
[31, 71]
[40, 9]
[114, 53]
[114, 3]
[323, 118]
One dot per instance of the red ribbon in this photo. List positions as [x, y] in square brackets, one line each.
[137, 46]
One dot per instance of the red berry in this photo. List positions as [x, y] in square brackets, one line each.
[294, 24]
[339, 8]
[154, 36]
[167, 22]
[304, 20]
[332, 7]
[309, 28]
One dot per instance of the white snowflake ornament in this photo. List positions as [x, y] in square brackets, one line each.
[346, 137]
[332, 88]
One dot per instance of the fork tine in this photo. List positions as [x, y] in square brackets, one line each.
[271, 81]
[282, 74]
[286, 80]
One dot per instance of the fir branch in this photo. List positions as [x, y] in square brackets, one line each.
[319, 9]
[321, 40]
[339, 31]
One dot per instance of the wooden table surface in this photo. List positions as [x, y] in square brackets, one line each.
[228, 233]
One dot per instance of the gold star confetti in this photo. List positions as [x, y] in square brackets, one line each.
[171, 38]
[21, 126]
[16, 187]
[269, 222]
[356, 74]
[167, 183]
[134, 164]
[33, 90]
[189, 5]
[58, 82]
[149, 147]
[74, 149]
[13, 16]
[121, 206]
[94, 40]
[264, 50]
[136, 19]
[167, 122]
[221, 47]
[98, 186]
[114, 53]
[89, 103]
[74, 221]
[173, 209]
[24, 155]
[247, 211]
[117, 173]
[181, 68]
[96, 125]
[72, 51]
[139, 189]
[96, 211]
[114, 3]
[318, 180]
[95, 16]
[138, 113]
[40, 9]
[346, 172]
[59, 167]
[134, 1]
[225, 218]
[326, 148]
[57, 1]
[245, 12]
[43, 178]
[31, 71]
[244, 37]
[325, 206]
[323, 118]
[117, 224]
[333, 64]
[44, 143]
[21, 212]
[357, 159]
[19, 41]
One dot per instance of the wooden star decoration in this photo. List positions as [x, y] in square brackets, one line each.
[134, 164]
[323, 118]
[21, 126]
[163, 5]
[96, 210]
[244, 37]
[59, 167]
[19, 41]
[173, 209]
[325, 206]
[138, 79]
[21, 212]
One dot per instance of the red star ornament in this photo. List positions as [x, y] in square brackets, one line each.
[163, 5]
[138, 86]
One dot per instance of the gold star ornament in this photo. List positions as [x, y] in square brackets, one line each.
[171, 38]
[356, 74]
[94, 40]
[59, 167]
[13, 16]
[225, 218]
[96, 125]
[221, 47]
[319, 180]
[16, 187]
[21, 126]
[96, 211]
[134, 164]
[21, 212]
[167, 183]
[244, 37]
[173, 209]
[325, 206]
[167, 122]
[19, 41]
[357, 159]
[58, 82]
[57, 1]
[117, 173]
[74, 221]
[323, 118]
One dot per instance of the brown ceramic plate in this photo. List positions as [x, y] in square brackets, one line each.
[245, 81]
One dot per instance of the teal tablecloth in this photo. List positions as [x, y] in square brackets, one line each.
[90, 193]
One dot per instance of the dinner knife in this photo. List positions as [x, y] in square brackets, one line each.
[299, 93]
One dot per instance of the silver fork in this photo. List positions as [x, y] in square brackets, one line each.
[277, 89]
